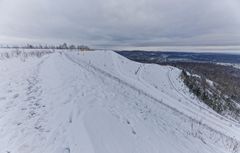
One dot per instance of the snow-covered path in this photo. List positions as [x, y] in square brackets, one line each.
[100, 102]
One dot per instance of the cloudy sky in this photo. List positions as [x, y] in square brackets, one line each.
[121, 23]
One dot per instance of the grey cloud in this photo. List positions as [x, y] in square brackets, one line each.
[121, 22]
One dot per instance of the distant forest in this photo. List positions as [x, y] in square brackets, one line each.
[218, 86]
[40, 46]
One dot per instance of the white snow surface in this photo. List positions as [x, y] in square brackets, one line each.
[235, 65]
[101, 102]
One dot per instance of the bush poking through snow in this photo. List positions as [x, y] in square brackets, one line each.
[24, 54]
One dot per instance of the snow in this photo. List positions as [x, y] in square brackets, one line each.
[101, 102]
[235, 65]
[210, 82]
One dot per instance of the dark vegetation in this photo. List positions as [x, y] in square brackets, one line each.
[23, 55]
[213, 94]
[226, 78]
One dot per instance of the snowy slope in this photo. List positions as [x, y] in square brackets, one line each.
[101, 102]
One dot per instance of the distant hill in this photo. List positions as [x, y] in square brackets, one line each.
[155, 56]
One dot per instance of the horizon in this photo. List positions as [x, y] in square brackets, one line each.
[194, 49]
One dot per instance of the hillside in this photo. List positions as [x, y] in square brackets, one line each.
[101, 102]
[217, 85]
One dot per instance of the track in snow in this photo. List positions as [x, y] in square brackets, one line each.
[95, 70]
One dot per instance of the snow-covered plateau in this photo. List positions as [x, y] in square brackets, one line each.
[101, 102]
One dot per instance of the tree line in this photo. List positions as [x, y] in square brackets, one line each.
[40, 46]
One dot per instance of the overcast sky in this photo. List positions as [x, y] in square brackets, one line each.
[122, 23]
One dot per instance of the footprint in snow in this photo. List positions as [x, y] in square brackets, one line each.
[2, 98]
[15, 96]
[66, 150]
